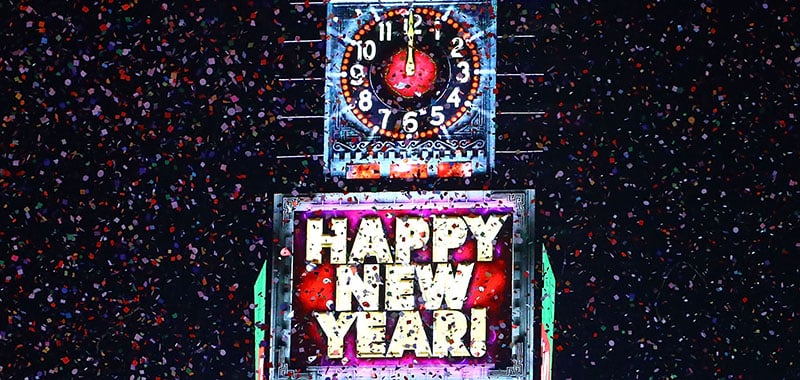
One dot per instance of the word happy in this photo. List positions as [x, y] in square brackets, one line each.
[366, 293]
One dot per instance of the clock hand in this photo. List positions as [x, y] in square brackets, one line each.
[410, 33]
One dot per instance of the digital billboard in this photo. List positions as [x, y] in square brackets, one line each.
[367, 285]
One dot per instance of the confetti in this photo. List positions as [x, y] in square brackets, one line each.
[141, 146]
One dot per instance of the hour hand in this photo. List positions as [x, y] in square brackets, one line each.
[410, 65]
[410, 33]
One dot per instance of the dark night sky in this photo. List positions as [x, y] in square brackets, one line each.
[141, 145]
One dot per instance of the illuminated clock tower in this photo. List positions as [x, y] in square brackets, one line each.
[425, 285]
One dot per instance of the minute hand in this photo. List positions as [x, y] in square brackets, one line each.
[410, 33]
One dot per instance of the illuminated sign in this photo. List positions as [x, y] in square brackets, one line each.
[409, 88]
[367, 285]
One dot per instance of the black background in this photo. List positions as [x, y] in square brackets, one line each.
[136, 180]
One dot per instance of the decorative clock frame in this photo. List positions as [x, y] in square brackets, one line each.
[446, 132]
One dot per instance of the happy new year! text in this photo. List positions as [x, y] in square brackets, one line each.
[377, 280]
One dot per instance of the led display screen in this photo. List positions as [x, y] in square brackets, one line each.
[365, 284]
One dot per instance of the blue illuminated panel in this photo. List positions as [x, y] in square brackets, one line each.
[410, 99]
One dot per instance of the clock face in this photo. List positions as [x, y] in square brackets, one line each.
[411, 72]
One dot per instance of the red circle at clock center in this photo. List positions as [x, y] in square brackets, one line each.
[420, 82]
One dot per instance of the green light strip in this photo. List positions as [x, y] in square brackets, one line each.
[260, 300]
[548, 316]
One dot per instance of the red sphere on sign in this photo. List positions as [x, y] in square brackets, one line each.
[421, 79]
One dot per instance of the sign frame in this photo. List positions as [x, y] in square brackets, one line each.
[526, 326]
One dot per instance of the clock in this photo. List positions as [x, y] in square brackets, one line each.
[410, 88]
[411, 72]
